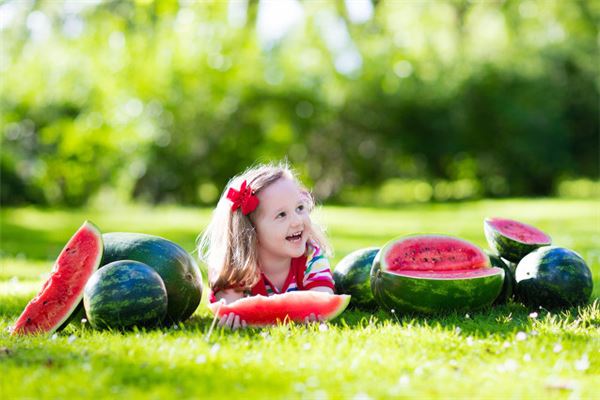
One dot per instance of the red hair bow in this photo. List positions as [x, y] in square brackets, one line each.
[243, 198]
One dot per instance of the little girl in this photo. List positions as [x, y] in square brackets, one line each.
[261, 240]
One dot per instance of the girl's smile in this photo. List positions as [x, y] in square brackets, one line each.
[295, 237]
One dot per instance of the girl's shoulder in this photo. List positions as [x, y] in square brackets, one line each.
[312, 249]
[317, 271]
[314, 253]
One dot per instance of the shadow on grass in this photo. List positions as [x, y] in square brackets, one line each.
[12, 306]
[36, 244]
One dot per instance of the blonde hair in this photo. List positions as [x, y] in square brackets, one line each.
[229, 245]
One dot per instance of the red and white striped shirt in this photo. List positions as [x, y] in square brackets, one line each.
[306, 272]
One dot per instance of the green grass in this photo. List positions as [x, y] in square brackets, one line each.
[505, 352]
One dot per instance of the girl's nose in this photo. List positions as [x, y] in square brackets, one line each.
[296, 220]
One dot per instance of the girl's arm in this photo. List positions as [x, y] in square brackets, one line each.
[318, 276]
[229, 295]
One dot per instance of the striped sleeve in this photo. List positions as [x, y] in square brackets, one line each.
[317, 271]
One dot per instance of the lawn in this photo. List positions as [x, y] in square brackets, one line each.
[505, 352]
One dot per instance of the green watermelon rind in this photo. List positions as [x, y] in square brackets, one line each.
[124, 294]
[339, 310]
[511, 249]
[418, 295]
[176, 267]
[567, 282]
[352, 276]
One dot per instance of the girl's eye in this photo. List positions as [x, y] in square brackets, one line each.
[280, 215]
[301, 207]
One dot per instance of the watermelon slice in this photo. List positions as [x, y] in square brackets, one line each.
[261, 311]
[434, 273]
[63, 290]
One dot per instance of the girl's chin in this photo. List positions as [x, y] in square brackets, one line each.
[298, 249]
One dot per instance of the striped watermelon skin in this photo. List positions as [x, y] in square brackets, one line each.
[418, 285]
[553, 277]
[124, 294]
[512, 248]
[352, 276]
[178, 270]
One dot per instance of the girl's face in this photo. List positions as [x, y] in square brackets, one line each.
[282, 221]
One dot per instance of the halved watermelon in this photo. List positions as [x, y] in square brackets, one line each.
[260, 311]
[512, 239]
[63, 290]
[433, 273]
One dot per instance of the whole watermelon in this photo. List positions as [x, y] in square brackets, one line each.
[176, 267]
[352, 276]
[124, 294]
[553, 277]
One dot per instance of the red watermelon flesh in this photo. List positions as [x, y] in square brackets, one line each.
[260, 311]
[63, 290]
[455, 274]
[434, 253]
[519, 231]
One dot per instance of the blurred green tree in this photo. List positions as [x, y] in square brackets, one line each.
[165, 101]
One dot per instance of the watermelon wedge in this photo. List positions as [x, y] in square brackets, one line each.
[259, 311]
[63, 290]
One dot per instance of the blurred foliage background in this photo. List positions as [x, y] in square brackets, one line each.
[374, 102]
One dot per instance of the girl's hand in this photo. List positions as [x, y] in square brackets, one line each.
[232, 321]
[313, 318]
